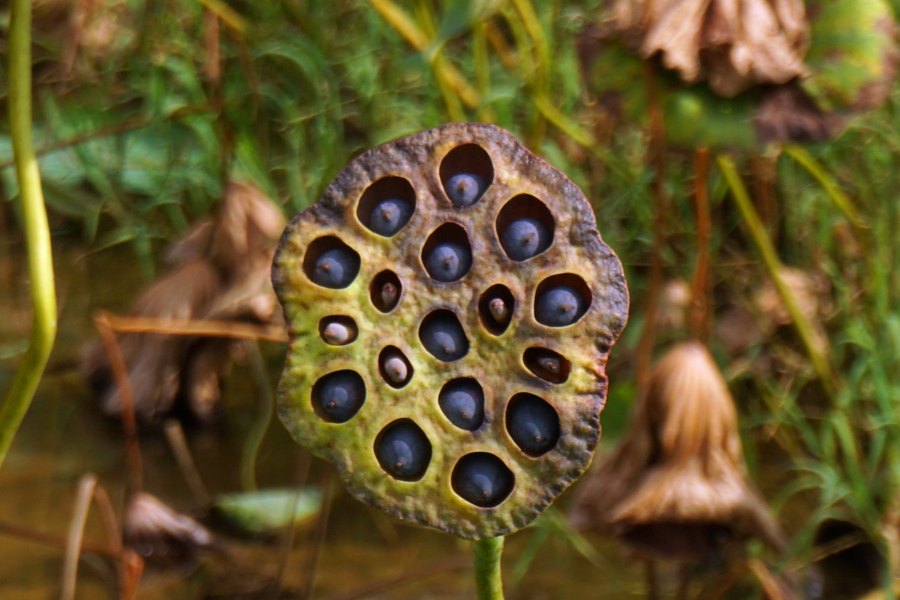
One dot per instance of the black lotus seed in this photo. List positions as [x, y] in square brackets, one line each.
[462, 401]
[498, 310]
[448, 262]
[389, 294]
[390, 216]
[395, 369]
[533, 425]
[404, 451]
[559, 306]
[444, 338]
[336, 268]
[341, 395]
[482, 479]
[525, 238]
[465, 189]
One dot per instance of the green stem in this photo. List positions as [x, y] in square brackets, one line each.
[773, 265]
[263, 420]
[37, 233]
[487, 568]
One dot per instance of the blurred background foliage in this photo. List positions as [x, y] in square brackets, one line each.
[145, 109]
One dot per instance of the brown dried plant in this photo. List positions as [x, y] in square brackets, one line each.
[220, 271]
[735, 44]
[676, 488]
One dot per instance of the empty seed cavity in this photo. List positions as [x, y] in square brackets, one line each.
[338, 330]
[547, 365]
[482, 479]
[447, 254]
[385, 291]
[443, 336]
[525, 226]
[338, 396]
[331, 263]
[466, 173]
[462, 402]
[561, 300]
[394, 367]
[403, 450]
[387, 206]
[532, 424]
[495, 308]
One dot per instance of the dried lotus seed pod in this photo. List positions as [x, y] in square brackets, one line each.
[468, 401]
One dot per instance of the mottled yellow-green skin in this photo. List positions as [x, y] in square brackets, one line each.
[495, 361]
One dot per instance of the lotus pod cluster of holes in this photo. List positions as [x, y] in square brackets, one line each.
[451, 307]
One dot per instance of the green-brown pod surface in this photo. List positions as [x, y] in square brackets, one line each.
[382, 319]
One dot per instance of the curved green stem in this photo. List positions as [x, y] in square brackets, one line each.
[37, 233]
[487, 568]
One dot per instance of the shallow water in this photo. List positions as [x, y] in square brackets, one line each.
[65, 436]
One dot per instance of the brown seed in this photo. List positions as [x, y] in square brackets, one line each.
[498, 310]
[389, 294]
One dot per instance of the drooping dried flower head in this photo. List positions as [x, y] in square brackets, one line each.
[451, 307]
[734, 44]
[676, 487]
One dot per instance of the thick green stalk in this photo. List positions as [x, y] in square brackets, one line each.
[37, 233]
[773, 265]
[487, 568]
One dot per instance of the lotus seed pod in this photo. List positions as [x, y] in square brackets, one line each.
[559, 307]
[525, 238]
[390, 216]
[465, 189]
[448, 262]
[459, 462]
[499, 310]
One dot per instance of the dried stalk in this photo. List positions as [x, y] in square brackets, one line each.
[196, 327]
[76, 533]
[178, 443]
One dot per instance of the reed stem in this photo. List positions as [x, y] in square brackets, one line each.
[773, 265]
[37, 232]
[488, 581]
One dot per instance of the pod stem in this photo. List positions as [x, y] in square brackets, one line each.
[37, 232]
[487, 568]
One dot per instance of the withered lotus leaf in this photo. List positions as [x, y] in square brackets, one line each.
[676, 487]
[436, 454]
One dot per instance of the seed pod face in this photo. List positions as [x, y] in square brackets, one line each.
[473, 480]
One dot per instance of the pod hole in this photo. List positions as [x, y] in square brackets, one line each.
[338, 396]
[403, 450]
[532, 424]
[525, 227]
[443, 336]
[482, 479]
[338, 330]
[331, 263]
[394, 367]
[495, 308]
[462, 402]
[468, 159]
[396, 215]
[561, 300]
[385, 291]
[547, 365]
[447, 253]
